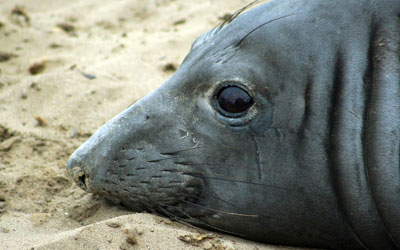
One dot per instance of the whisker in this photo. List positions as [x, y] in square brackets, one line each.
[213, 227]
[219, 176]
[228, 213]
[175, 217]
[161, 159]
[214, 164]
[263, 24]
[187, 163]
[234, 15]
[219, 199]
[199, 147]
[166, 213]
[224, 201]
[193, 173]
[182, 150]
[195, 220]
[220, 211]
[240, 181]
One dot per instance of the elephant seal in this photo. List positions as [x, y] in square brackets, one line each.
[281, 126]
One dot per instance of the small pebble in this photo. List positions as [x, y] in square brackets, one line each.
[180, 21]
[40, 121]
[20, 17]
[5, 56]
[37, 68]
[169, 67]
[113, 224]
[130, 235]
[125, 246]
[66, 27]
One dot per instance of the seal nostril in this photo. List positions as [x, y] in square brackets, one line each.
[82, 180]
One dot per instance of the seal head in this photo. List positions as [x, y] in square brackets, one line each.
[269, 130]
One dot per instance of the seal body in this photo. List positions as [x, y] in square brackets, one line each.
[282, 126]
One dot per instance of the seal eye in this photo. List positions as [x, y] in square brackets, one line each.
[234, 100]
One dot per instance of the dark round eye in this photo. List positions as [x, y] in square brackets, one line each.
[234, 100]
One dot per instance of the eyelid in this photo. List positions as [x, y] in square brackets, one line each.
[232, 83]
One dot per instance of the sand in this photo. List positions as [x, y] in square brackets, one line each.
[66, 67]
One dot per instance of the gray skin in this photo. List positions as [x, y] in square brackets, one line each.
[313, 162]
